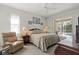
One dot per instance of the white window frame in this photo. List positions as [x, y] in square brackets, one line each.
[62, 22]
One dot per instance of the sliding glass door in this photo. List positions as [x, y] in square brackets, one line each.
[64, 28]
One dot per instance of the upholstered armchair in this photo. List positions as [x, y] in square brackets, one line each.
[14, 42]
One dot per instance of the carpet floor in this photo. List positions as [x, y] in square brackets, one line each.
[30, 49]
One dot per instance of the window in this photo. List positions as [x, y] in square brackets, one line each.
[64, 29]
[15, 24]
[67, 26]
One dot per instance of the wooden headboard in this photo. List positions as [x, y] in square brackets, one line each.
[36, 30]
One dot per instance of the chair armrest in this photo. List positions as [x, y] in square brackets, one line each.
[20, 39]
[7, 44]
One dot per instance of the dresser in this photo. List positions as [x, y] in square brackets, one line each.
[66, 48]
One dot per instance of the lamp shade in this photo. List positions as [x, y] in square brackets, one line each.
[25, 31]
[45, 29]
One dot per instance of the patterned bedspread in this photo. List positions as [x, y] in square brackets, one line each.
[43, 40]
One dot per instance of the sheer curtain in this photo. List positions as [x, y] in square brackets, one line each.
[15, 24]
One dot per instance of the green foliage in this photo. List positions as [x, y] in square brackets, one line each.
[68, 28]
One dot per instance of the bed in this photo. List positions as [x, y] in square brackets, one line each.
[43, 40]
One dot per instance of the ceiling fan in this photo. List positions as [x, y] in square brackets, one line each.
[48, 8]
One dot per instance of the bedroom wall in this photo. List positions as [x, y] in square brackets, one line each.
[5, 14]
[49, 23]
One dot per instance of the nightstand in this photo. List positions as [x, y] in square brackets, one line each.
[26, 39]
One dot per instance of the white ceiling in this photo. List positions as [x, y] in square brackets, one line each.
[38, 8]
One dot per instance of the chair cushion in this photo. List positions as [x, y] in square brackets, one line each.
[11, 39]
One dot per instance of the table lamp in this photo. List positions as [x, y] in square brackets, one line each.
[25, 31]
